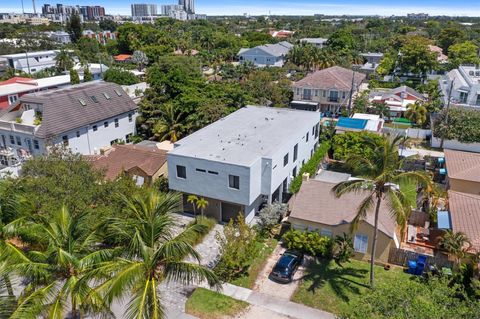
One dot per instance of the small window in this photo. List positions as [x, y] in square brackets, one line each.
[82, 101]
[306, 138]
[116, 122]
[19, 140]
[181, 171]
[275, 167]
[118, 92]
[94, 98]
[105, 94]
[78, 133]
[95, 128]
[200, 170]
[285, 160]
[65, 140]
[360, 243]
[234, 181]
[313, 130]
[105, 124]
[213, 172]
[36, 145]
[294, 172]
[295, 152]
[130, 117]
[12, 139]
[326, 232]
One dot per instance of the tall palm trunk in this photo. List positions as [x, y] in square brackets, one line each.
[8, 285]
[374, 243]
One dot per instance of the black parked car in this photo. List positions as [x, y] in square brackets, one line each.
[286, 266]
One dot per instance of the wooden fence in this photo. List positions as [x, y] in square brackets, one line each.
[400, 257]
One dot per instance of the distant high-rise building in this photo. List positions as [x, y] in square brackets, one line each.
[188, 5]
[144, 10]
[168, 8]
[87, 12]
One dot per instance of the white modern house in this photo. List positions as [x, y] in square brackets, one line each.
[31, 62]
[244, 160]
[83, 118]
[316, 42]
[266, 55]
[466, 86]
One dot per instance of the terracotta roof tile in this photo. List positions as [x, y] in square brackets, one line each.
[334, 77]
[463, 165]
[465, 214]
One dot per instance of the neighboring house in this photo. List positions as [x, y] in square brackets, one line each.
[316, 42]
[466, 86]
[464, 212]
[61, 37]
[315, 208]
[463, 171]
[441, 58]
[266, 55]
[31, 62]
[123, 58]
[327, 90]
[373, 60]
[142, 163]
[244, 160]
[281, 34]
[96, 69]
[360, 122]
[83, 118]
[397, 99]
[12, 89]
[101, 36]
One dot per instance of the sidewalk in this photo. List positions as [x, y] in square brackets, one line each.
[278, 305]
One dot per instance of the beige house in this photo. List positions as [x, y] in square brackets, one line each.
[315, 208]
[463, 171]
[144, 164]
[326, 90]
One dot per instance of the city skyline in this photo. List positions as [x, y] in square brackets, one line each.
[285, 7]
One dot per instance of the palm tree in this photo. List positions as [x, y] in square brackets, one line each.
[202, 203]
[416, 113]
[381, 175]
[55, 267]
[457, 244]
[171, 123]
[192, 199]
[152, 254]
[64, 60]
[381, 109]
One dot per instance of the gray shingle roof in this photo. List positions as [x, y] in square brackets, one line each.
[277, 49]
[63, 111]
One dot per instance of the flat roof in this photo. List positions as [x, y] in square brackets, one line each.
[246, 135]
[30, 54]
[34, 84]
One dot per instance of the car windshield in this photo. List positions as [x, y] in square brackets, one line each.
[285, 261]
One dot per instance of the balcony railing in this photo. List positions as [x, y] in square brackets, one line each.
[17, 127]
[333, 99]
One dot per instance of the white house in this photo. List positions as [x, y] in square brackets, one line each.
[83, 117]
[466, 86]
[266, 55]
[244, 160]
[31, 62]
[316, 42]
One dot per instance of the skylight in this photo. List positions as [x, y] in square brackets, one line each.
[82, 101]
[118, 92]
[94, 98]
[105, 94]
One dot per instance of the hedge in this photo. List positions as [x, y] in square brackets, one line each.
[309, 167]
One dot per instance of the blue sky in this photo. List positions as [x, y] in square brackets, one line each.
[282, 7]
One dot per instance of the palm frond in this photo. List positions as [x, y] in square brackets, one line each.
[352, 186]
[362, 210]
[188, 273]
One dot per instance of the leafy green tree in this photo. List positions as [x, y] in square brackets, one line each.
[119, 76]
[342, 41]
[456, 244]
[463, 125]
[361, 102]
[416, 56]
[343, 248]
[202, 203]
[87, 75]
[88, 48]
[416, 113]
[463, 53]
[56, 270]
[140, 59]
[64, 60]
[74, 77]
[355, 143]
[108, 25]
[381, 174]
[381, 109]
[152, 254]
[74, 27]
[309, 242]
[170, 125]
[270, 216]
[451, 34]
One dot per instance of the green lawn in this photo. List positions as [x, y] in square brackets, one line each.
[332, 288]
[410, 191]
[264, 250]
[397, 125]
[204, 304]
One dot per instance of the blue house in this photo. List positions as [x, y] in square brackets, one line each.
[266, 55]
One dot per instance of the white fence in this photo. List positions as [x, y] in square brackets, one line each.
[456, 145]
[410, 132]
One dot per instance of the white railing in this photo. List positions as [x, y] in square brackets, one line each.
[17, 127]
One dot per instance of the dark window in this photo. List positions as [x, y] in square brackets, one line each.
[294, 172]
[116, 122]
[12, 139]
[130, 118]
[105, 124]
[127, 137]
[181, 171]
[94, 98]
[213, 172]
[285, 160]
[200, 170]
[234, 181]
[36, 145]
[313, 130]
[19, 140]
[306, 139]
[78, 133]
[295, 152]
[95, 128]
[65, 140]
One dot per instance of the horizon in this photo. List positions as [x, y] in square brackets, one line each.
[461, 8]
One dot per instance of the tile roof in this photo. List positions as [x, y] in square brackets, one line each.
[315, 202]
[465, 214]
[277, 49]
[463, 165]
[63, 110]
[334, 77]
[122, 158]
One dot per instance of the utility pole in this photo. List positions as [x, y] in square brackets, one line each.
[447, 111]
[28, 63]
[23, 9]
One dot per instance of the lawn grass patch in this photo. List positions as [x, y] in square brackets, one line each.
[205, 303]
[332, 288]
[206, 225]
[409, 189]
[265, 249]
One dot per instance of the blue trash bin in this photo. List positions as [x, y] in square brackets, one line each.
[412, 266]
[420, 268]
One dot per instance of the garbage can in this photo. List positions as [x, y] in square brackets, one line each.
[412, 266]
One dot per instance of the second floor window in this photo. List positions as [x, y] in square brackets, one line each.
[116, 122]
[130, 117]
[19, 140]
[36, 145]
[463, 97]
[95, 128]
[306, 138]
[12, 139]
[285, 160]
[234, 181]
[181, 171]
[105, 124]
[295, 152]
